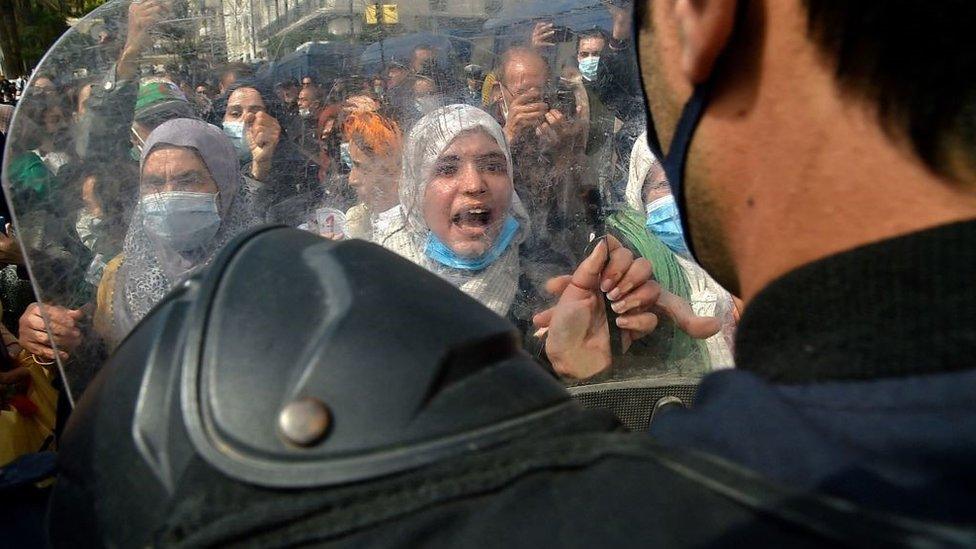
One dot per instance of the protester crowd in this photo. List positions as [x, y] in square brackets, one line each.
[500, 179]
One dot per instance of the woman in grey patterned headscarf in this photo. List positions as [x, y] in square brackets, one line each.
[461, 217]
[193, 200]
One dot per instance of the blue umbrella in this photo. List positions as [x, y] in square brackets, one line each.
[578, 15]
[400, 48]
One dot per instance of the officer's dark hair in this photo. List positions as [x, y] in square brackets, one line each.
[912, 59]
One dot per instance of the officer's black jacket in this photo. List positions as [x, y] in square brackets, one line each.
[855, 371]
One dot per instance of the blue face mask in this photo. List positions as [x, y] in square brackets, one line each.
[235, 131]
[589, 66]
[344, 155]
[181, 220]
[439, 252]
[664, 222]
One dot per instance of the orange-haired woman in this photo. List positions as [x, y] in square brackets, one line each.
[373, 143]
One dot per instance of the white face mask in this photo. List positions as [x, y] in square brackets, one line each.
[589, 66]
[183, 221]
[235, 132]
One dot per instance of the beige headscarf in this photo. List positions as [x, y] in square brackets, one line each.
[641, 162]
[496, 285]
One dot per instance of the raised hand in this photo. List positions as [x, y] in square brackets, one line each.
[143, 15]
[578, 342]
[542, 35]
[33, 334]
[526, 112]
[263, 133]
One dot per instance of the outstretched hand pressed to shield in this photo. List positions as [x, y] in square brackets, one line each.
[578, 336]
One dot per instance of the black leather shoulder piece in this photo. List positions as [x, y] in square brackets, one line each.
[575, 485]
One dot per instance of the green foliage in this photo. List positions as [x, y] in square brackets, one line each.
[32, 26]
[88, 5]
[38, 29]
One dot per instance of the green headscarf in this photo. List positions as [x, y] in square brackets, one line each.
[629, 224]
[28, 174]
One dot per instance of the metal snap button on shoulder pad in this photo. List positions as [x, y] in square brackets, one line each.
[305, 421]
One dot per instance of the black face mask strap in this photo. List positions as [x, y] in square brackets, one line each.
[674, 161]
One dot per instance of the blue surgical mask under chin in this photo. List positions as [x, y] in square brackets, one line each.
[588, 67]
[235, 131]
[664, 222]
[181, 220]
[439, 252]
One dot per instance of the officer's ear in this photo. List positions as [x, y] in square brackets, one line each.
[705, 27]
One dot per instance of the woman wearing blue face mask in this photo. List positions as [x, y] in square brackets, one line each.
[653, 212]
[250, 118]
[192, 201]
[252, 129]
[461, 217]
[462, 220]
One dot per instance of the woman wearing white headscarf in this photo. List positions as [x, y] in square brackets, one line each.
[461, 217]
[462, 220]
[648, 192]
[193, 200]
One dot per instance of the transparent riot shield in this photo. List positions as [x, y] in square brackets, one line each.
[496, 144]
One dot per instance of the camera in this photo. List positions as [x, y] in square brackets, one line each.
[561, 96]
[562, 34]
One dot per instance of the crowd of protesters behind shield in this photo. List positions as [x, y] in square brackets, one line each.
[495, 176]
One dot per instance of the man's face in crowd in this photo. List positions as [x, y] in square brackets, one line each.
[420, 57]
[175, 169]
[396, 75]
[288, 95]
[307, 82]
[45, 86]
[55, 121]
[241, 102]
[202, 90]
[306, 100]
[590, 47]
[227, 80]
[474, 84]
[524, 73]
[423, 87]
